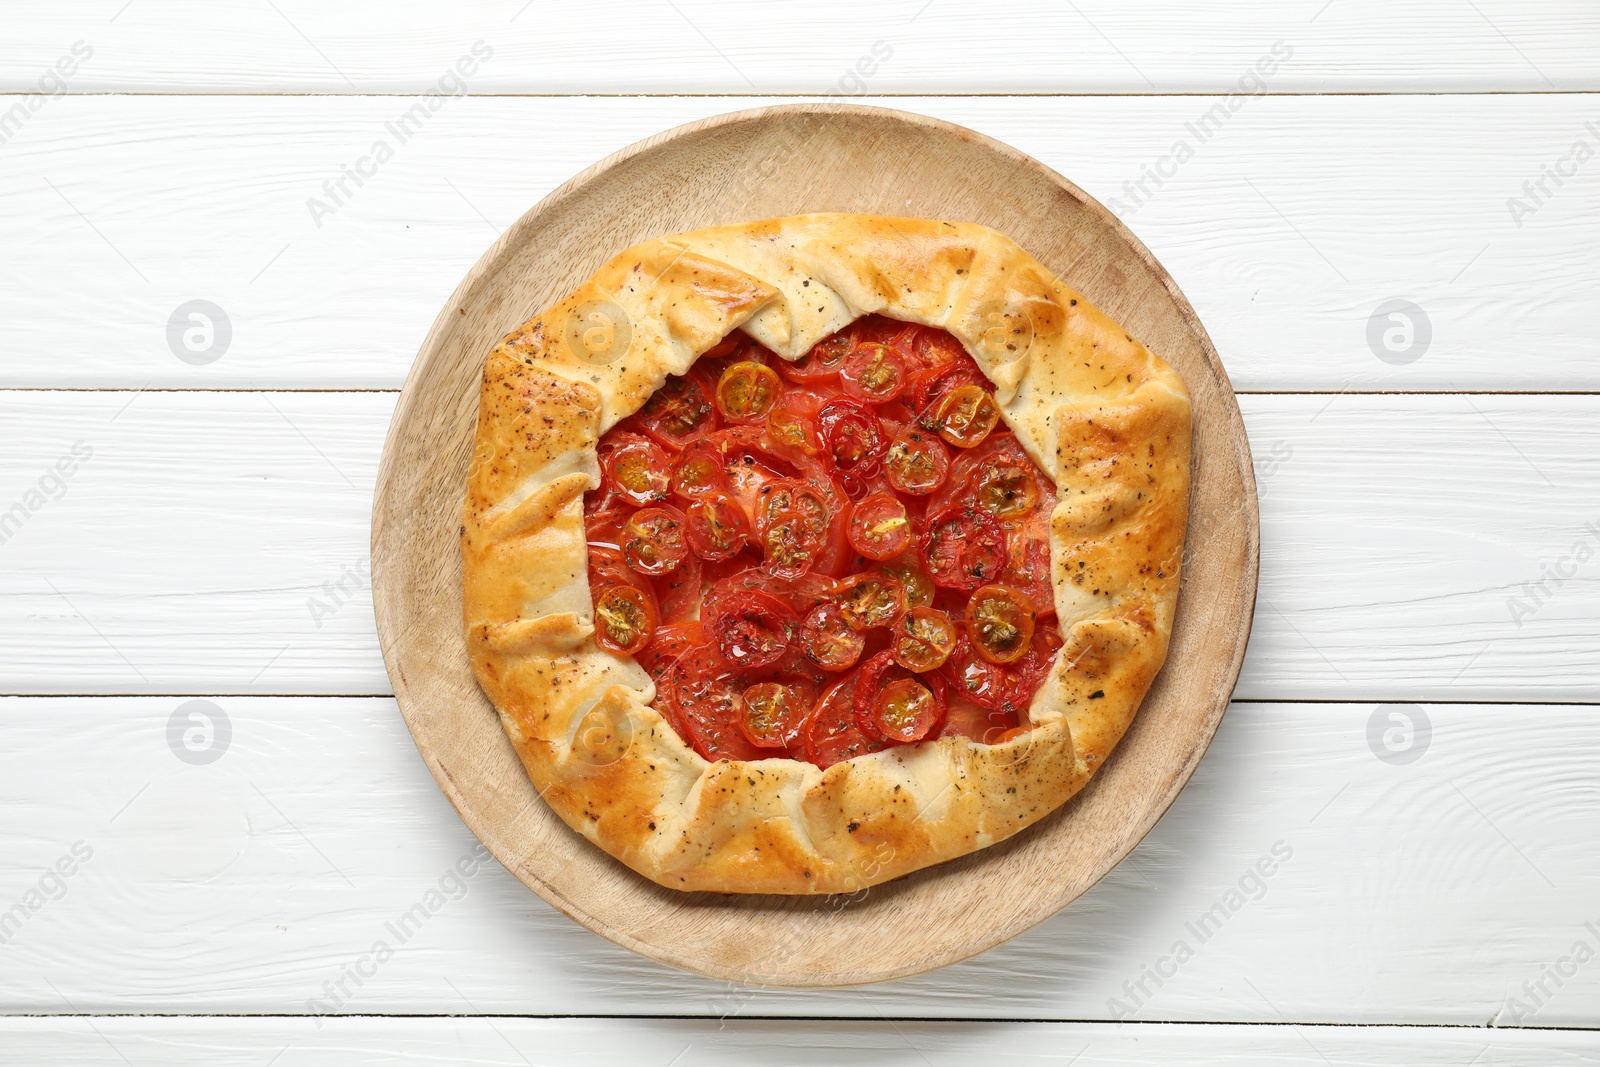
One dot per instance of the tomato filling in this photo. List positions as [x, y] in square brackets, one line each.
[826, 558]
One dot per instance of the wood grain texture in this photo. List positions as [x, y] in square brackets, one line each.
[1414, 893]
[830, 158]
[1287, 228]
[630, 46]
[346, 1042]
[214, 544]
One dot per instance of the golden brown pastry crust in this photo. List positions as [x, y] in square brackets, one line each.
[1104, 417]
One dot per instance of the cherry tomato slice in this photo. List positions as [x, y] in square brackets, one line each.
[670, 641]
[828, 639]
[922, 639]
[698, 471]
[928, 387]
[917, 462]
[717, 528]
[747, 391]
[793, 523]
[605, 527]
[822, 362]
[773, 714]
[833, 734]
[624, 620]
[964, 547]
[974, 678]
[1005, 488]
[636, 469]
[702, 698]
[873, 372]
[896, 704]
[750, 629]
[852, 435]
[965, 415]
[653, 542]
[1035, 665]
[936, 348]
[679, 411]
[1000, 623]
[879, 527]
[907, 570]
[1028, 564]
[870, 599]
[792, 423]
[965, 719]
[608, 568]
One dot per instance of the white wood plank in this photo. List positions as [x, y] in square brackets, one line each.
[1427, 892]
[1288, 228]
[629, 46]
[221, 1042]
[1414, 547]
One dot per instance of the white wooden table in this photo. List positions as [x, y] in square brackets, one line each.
[1388, 217]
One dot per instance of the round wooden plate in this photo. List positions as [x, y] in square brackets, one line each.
[788, 160]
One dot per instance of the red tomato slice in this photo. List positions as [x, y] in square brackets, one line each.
[879, 528]
[922, 639]
[896, 704]
[608, 568]
[679, 411]
[624, 619]
[678, 591]
[747, 391]
[702, 698]
[653, 542]
[699, 470]
[964, 547]
[828, 639]
[635, 468]
[1035, 665]
[871, 599]
[717, 527]
[773, 714]
[917, 462]
[792, 423]
[1000, 622]
[820, 364]
[852, 436]
[749, 629]
[670, 641]
[833, 734]
[926, 388]
[974, 678]
[605, 527]
[873, 372]
[1028, 564]
[965, 719]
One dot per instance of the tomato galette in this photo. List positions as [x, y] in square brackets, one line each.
[802, 554]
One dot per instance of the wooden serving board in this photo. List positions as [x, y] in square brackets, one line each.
[767, 162]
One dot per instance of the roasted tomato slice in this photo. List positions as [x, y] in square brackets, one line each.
[870, 599]
[964, 547]
[635, 469]
[1034, 666]
[922, 639]
[917, 462]
[896, 704]
[608, 568]
[679, 411]
[774, 714]
[908, 571]
[702, 698]
[828, 639]
[671, 640]
[717, 528]
[750, 629]
[929, 386]
[936, 348]
[794, 524]
[879, 527]
[965, 415]
[974, 678]
[873, 372]
[1000, 621]
[678, 591]
[1028, 564]
[822, 362]
[699, 470]
[624, 619]
[852, 436]
[792, 423]
[653, 542]
[966, 719]
[833, 734]
[747, 391]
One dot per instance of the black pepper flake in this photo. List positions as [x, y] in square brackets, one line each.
[854, 826]
[1097, 694]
